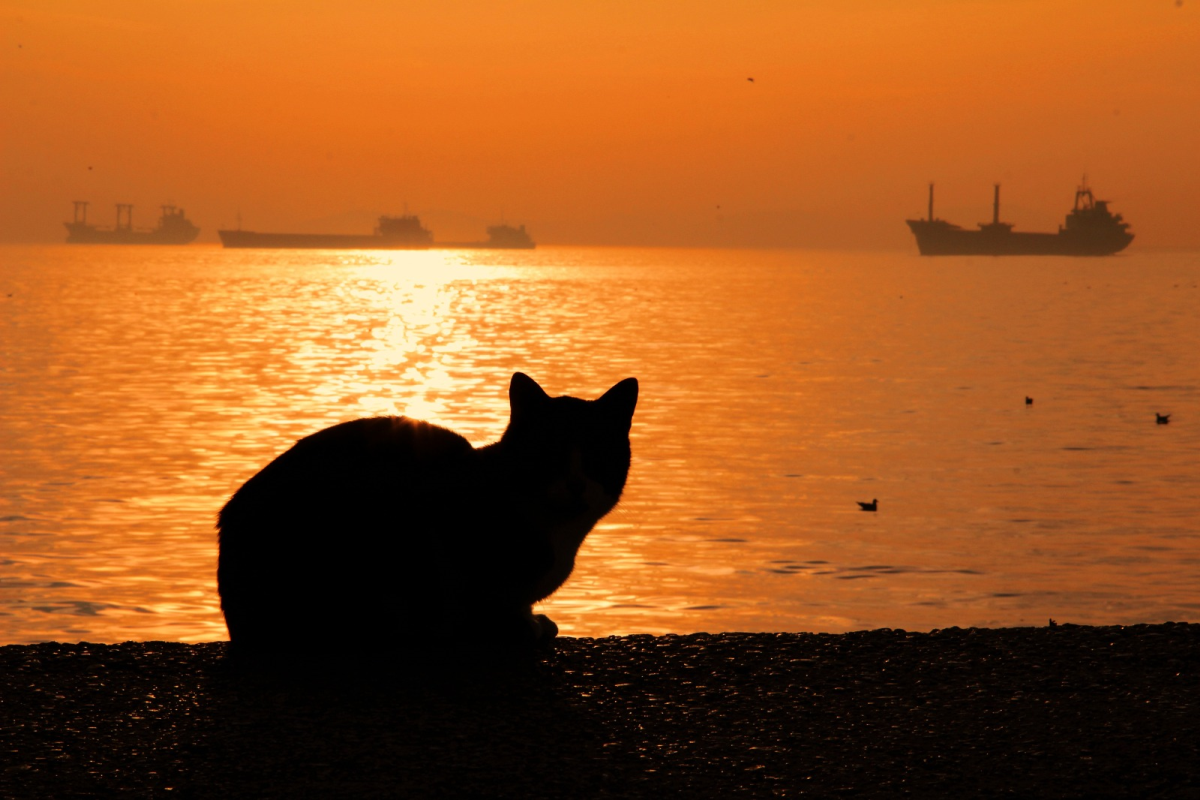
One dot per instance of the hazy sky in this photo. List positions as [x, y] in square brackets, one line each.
[601, 122]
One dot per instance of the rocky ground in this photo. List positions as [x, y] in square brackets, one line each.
[1066, 711]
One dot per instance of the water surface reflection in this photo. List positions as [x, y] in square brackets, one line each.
[141, 386]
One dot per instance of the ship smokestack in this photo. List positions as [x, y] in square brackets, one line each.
[996, 206]
[931, 202]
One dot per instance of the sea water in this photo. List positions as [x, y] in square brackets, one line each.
[139, 387]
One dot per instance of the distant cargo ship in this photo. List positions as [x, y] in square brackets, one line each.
[500, 237]
[393, 233]
[1090, 230]
[173, 228]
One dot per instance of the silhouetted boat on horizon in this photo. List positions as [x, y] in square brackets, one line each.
[1090, 230]
[173, 228]
[393, 233]
[500, 237]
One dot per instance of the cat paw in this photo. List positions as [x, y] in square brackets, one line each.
[544, 628]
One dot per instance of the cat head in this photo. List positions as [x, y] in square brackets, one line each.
[574, 453]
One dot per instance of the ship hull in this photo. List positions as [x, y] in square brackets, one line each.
[940, 239]
[483, 246]
[86, 234]
[318, 241]
[337, 241]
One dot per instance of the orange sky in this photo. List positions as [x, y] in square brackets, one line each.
[614, 122]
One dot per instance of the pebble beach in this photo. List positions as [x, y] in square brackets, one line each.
[1061, 711]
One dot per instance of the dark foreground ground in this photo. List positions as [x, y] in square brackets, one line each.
[1056, 712]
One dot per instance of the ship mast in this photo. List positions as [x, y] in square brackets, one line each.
[125, 210]
[996, 206]
[1084, 201]
[931, 201]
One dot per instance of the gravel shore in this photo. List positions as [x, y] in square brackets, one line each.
[1064, 711]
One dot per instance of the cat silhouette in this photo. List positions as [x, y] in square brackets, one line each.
[389, 533]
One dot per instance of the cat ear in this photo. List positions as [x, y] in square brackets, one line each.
[524, 395]
[619, 401]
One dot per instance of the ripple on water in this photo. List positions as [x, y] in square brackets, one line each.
[144, 387]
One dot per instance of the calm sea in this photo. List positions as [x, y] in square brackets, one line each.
[140, 386]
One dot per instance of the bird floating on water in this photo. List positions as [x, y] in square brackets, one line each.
[871, 506]
[1162, 419]
[1028, 400]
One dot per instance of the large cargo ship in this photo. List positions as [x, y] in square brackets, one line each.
[393, 233]
[1090, 230]
[173, 228]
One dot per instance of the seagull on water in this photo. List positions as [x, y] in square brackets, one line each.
[871, 506]
[1162, 419]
